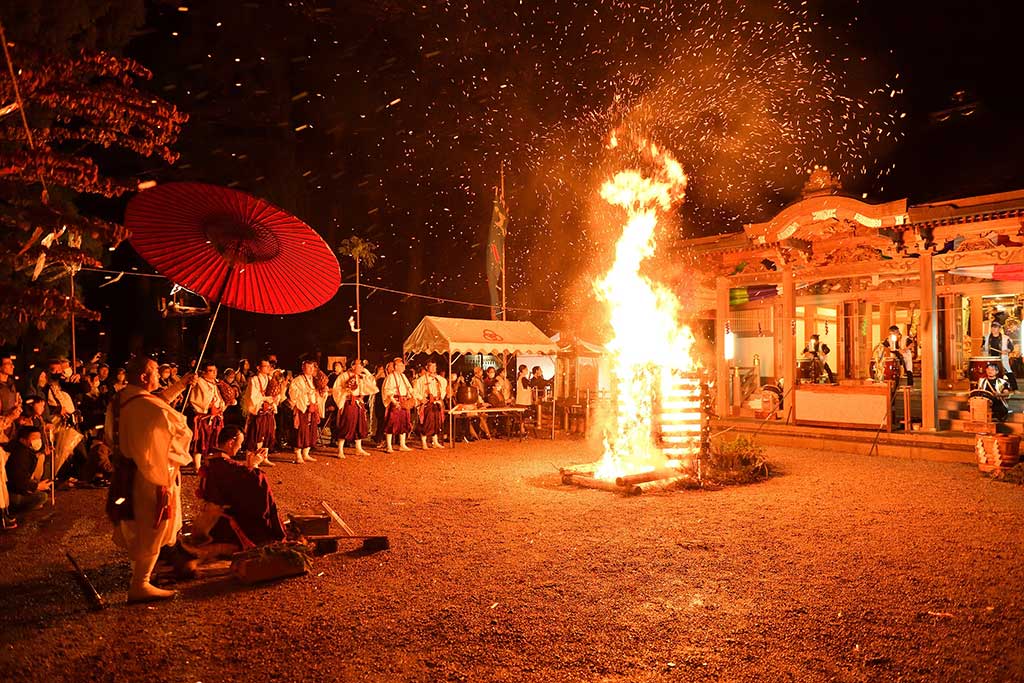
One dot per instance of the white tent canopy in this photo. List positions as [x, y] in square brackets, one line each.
[465, 335]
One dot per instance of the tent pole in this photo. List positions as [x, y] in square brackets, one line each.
[451, 418]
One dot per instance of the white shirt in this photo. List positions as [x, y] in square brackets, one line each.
[205, 396]
[395, 386]
[303, 394]
[255, 394]
[430, 388]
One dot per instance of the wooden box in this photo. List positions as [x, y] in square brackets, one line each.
[981, 409]
[311, 525]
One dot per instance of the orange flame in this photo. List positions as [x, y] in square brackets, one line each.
[649, 347]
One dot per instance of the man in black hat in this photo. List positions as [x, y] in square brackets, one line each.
[998, 345]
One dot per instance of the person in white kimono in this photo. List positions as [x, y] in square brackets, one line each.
[397, 394]
[151, 442]
[259, 405]
[430, 390]
[349, 392]
[208, 406]
[306, 402]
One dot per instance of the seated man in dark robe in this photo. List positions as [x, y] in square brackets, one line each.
[239, 508]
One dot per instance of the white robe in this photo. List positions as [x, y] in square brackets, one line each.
[395, 386]
[255, 394]
[434, 388]
[365, 386]
[157, 438]
[204, 396]
[303, 394]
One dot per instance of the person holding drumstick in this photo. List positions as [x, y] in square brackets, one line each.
[892, 348]
[999, 388]
[997, 344]
[816, 351]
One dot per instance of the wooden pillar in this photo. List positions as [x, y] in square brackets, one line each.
[865, 323]
[788, 337]
[951, 305]
[841, 341]
[721, 365]
[886, 315]
[928, 340]
[810, 327]
[977, 326]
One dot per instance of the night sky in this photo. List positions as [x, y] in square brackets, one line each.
[390, 120]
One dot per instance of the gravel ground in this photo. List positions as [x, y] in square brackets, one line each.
[839, 568]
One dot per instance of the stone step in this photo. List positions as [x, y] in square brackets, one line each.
[965, 414]
[1001, 427]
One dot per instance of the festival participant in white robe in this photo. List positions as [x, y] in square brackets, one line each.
[305, 400]
[397, 393]
[151, 441]
[208, 405]
[349, 392]
[430, 390]
[259, 403]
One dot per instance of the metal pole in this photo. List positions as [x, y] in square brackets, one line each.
[359, 323]
[451, 418]
[504, 238]
[74, 348]
[504, 312]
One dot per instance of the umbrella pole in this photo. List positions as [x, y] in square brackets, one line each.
[74, 348]
[209, 333]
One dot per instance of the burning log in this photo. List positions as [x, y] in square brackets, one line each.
[657, 485]
[652, 475]
[584, 468]
[591, 483]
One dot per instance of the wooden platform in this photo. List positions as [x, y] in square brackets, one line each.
[941, 446]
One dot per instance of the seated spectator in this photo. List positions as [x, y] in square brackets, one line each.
[239, 508]
[25, 492]
[92, 405]
[98, 469]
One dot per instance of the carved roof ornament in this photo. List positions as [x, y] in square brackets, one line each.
[819, 182]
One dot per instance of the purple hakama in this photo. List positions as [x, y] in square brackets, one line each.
[352, 424]
[397, 420]
[432, 420]
[261, 431]
[307, 429]
[206, 430]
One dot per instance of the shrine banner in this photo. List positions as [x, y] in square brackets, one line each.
[496, 249]
[1011, 271]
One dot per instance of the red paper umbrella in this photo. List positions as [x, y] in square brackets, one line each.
[233, 248]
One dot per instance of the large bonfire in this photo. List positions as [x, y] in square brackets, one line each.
[656, 415]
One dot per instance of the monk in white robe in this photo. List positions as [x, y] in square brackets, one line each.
[150, 435]
[349, 390]
[398, 396]
[259, 404]
[306, 409]
[430, 390]
[208, 406]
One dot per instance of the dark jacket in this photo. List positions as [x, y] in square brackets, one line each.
[21, 463]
